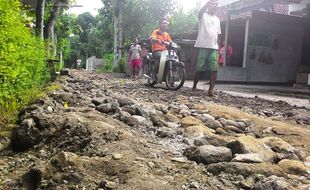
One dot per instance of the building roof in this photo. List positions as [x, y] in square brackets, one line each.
[243, 8]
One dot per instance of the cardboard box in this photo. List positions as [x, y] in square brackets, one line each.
[302, 78]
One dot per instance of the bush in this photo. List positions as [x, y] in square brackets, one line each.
[22, 64]
[121, 65]
[107, 63]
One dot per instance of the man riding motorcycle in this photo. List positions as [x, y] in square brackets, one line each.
[160, 38]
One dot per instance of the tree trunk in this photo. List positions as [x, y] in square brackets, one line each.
[52, 20]
[40, 18]
[49, 28]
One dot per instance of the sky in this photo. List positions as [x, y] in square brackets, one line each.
[92, 6]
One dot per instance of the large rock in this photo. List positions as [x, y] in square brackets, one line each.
[137, 120]
[124, 101]
[248, 158]
[185, 112]
[294, 167]
[301, 116]
[161, 108]
[23, 138]
[273, 183]
[171, 117]
[233, 129]
[208, 154]
[249, 145]
[240, 125]
[198, 131]
[190, 121]
[106, 108]
[246, 145]
[157, 118]
[205, 117]
[97, 101]
[130, 109]
[77, 169]
[283, 149]
[65, 72]
[214, 140]
[245, 169]
[213, 124]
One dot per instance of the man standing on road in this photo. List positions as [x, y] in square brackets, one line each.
[207, 44]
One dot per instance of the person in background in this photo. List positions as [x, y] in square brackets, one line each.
[135, 58]
[78, 63]
[207, 44]
[144, 52]
[229, 54]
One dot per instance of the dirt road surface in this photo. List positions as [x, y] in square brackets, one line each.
[107, 131]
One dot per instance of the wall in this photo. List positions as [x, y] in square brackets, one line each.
[93, 63]
[228, 73]
[285, 59]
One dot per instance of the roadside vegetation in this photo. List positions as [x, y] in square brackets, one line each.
[22, 61]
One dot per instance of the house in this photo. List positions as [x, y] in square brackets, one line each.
[268, 43]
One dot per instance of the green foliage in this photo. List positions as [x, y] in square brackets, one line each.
[93, 36]
[182, 22]
[121, 65]
[22, 59]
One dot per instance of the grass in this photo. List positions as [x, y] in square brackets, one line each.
[9, 110]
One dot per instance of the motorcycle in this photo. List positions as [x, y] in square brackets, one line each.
[171, 70]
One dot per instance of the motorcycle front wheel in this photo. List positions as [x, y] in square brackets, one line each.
[175, 79]
[150, 73]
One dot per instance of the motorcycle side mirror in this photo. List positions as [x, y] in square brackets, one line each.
[174, 45]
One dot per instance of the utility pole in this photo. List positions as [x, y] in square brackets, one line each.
[116, 30]
[120, 31]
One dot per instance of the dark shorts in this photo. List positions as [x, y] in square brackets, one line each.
[207, 59]
[156, 55]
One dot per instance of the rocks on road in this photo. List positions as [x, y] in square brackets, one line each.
[98, 133]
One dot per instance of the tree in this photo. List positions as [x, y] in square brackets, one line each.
[138, 18]
[40, 18]
[64, 28]
[182, 22]
[57, 5]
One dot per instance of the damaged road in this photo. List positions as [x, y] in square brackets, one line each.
[105, 131]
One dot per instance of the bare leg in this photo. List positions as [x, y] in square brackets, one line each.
[212, 83]
[137, 71]
[133, 71]
[197, 77]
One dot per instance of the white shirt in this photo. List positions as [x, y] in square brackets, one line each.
[209, 29]
[135, 51]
